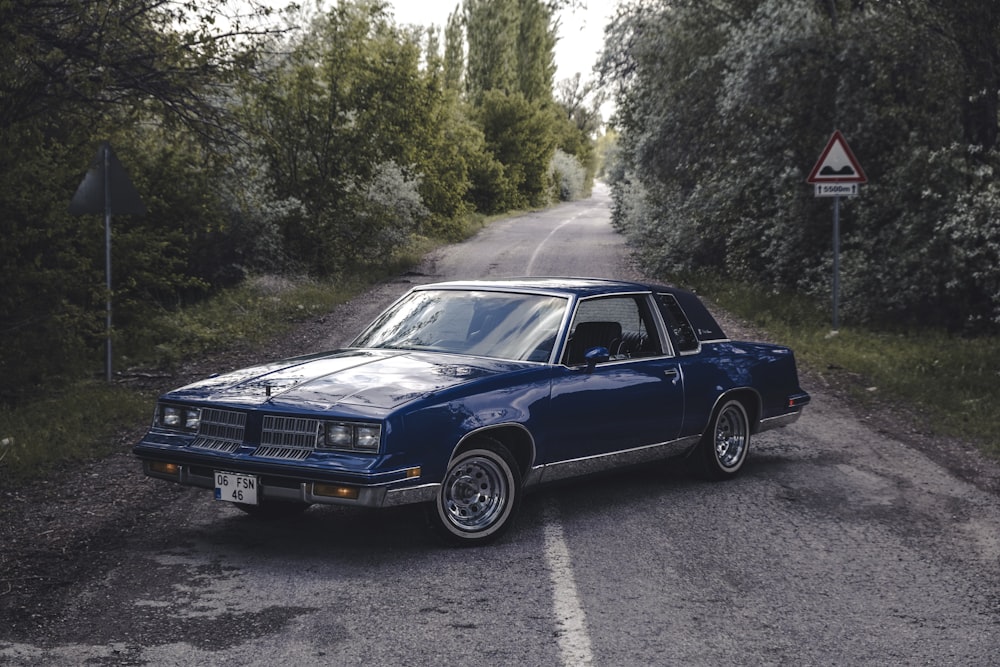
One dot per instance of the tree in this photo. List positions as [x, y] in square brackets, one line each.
[723, 107]
[72, 73]
[509, 82]
[972, 27]
[491, 33]
[86, 57]
[519, 134]
[454, 58]
[536, 43]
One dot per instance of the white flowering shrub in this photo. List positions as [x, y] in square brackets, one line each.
[568, 176]
[387, 210]
[257, 221]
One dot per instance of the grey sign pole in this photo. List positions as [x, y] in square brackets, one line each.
[107, 256]
[836, 262]
[106, 189]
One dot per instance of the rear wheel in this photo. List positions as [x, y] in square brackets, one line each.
[725, 445]
[479, 496]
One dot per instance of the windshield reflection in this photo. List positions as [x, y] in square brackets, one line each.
[517, 327]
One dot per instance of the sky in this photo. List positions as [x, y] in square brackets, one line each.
[581, 31]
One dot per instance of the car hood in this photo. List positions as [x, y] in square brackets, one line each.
[380, 379]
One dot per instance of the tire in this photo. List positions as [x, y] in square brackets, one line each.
[479, 496]
[275, 509]
[724, 447]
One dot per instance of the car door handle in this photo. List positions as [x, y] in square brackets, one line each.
[673, 373]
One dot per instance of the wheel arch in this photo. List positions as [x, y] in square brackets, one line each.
[515, 437]
[749, 398]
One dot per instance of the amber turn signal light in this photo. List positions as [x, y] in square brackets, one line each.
[171, 469]
[336, 491]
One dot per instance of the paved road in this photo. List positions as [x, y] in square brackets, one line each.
[839, 545]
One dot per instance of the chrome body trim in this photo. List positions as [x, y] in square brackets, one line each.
[413, 494]
[779, 421]
[551, 472]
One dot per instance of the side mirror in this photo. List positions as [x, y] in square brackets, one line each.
[596, 355]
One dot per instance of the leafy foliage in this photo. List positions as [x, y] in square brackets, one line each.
[724, 106]
[519, 134]
[509, 82]
[322, 144]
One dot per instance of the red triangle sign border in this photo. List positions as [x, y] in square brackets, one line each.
[841, 175]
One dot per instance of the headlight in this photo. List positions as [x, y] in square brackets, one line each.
[340, 436]
[351, 436]
[177, 417]
[368, 437]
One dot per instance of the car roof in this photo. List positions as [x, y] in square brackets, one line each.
[705, 325]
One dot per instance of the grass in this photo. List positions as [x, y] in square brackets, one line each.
[78, 425]
[258, 310]
[954, 382]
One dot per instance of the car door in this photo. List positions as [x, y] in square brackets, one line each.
[631, 398]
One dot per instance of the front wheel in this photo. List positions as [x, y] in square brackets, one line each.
[479, 496]
[725, 445]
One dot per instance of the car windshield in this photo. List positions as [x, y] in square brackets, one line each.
[500, 325]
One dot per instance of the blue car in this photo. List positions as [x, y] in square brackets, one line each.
[463, 394]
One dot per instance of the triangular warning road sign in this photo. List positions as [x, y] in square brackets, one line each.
[106, 188]
[837, 164]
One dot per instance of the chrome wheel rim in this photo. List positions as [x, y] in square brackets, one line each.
[730, 438]
[475, 493]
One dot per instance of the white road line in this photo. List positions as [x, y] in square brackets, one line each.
[531, 262]
[571, 622]
[538, 248]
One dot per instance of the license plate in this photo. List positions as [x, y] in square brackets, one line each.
[236, 488]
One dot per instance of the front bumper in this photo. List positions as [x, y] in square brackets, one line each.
[305, 491]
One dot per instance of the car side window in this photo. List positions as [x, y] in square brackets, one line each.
[680, 329]
[622, 324]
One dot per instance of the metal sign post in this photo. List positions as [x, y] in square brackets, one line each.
[837, 173]
[106, 189]
[106, 149]
[836, 262]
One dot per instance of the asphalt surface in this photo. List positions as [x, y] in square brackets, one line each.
[842, 543]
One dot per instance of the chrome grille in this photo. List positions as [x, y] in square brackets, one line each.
[226, 425]
[288, 453]
[289, 432]
[216, 445]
